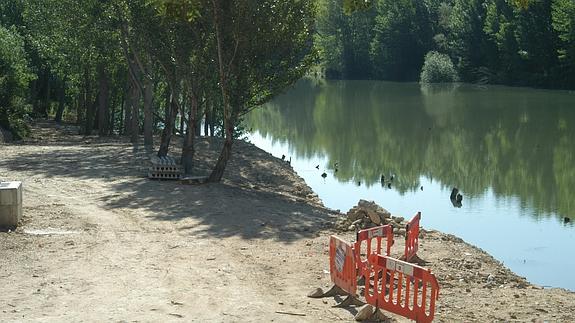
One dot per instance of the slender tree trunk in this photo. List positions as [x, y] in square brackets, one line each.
[188, 149]
[183, 112]
[225, 155]
[182, 119]
[61, 101]
[81, 103]
[128, 104]
[148, 117]
[128, 111]
[46, 104]
[198, 121]
[135, 118]
[169, 125]
[41, 109]
[207, 118]
[212, 120]
[123, 100]
[90, 116]
[34, 94]
[112, 120]
[104, 101]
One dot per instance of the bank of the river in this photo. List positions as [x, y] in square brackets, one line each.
[101, 242]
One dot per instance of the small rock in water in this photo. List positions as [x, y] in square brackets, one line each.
[454, 192]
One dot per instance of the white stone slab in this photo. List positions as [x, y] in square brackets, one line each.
[10, 203]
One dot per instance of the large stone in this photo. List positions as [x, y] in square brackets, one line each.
[374, 217]
[10, 203]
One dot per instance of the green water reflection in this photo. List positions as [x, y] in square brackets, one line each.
[516, 141]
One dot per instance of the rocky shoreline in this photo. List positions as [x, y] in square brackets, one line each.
[474, 286]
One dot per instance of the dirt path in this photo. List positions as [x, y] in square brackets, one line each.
[100, 242]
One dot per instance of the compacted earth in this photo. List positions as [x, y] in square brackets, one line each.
[101, 242]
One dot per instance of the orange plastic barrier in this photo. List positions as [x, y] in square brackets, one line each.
[401, 288]
[342, 265]
[412, 237]
[378, 233]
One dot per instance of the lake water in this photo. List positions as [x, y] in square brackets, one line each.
[510, 152]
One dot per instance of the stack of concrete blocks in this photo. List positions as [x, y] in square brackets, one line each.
[165, 168]
[10, 204]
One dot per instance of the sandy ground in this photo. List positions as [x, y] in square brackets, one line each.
[100, 242]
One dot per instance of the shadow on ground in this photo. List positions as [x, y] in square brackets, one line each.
[260, 197]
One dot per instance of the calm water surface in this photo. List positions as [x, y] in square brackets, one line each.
[510, 151]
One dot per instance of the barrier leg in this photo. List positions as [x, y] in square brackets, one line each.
[350, 301]
[334, 291]
[361, 281]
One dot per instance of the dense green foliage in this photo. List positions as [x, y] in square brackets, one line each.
[438, 68]
[14, 78]
[130, 67]
[522, 42]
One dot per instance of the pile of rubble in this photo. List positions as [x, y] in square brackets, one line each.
[367, 214]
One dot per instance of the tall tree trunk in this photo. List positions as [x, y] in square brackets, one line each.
[113, 105]
[88, 106]
[182, 119]
[135, 118]
[169, 124]
[46, 104]
[104, 101]
[80, 105]
[121, 129]
[41, 108]
[225, 155]
[207, 118]
[128, 113]
[212, 120]
[90, 116]
[188, 148]
[148, 117]
[34, 86]
[61, 101]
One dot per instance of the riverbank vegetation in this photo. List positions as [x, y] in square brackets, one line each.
[139, 67]
[522, 42]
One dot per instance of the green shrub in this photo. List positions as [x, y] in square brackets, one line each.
[438, 68]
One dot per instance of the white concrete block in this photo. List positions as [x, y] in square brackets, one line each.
[10, 203]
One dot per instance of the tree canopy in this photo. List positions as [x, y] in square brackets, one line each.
[150, 66]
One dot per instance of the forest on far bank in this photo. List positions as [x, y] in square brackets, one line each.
[511, 42]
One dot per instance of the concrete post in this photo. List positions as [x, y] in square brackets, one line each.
[10, 203]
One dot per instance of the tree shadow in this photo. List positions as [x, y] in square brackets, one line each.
[258, 199]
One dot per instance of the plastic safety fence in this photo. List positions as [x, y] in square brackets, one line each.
[412, 237]
[342, 265]
[366, 237]
[400, 287]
